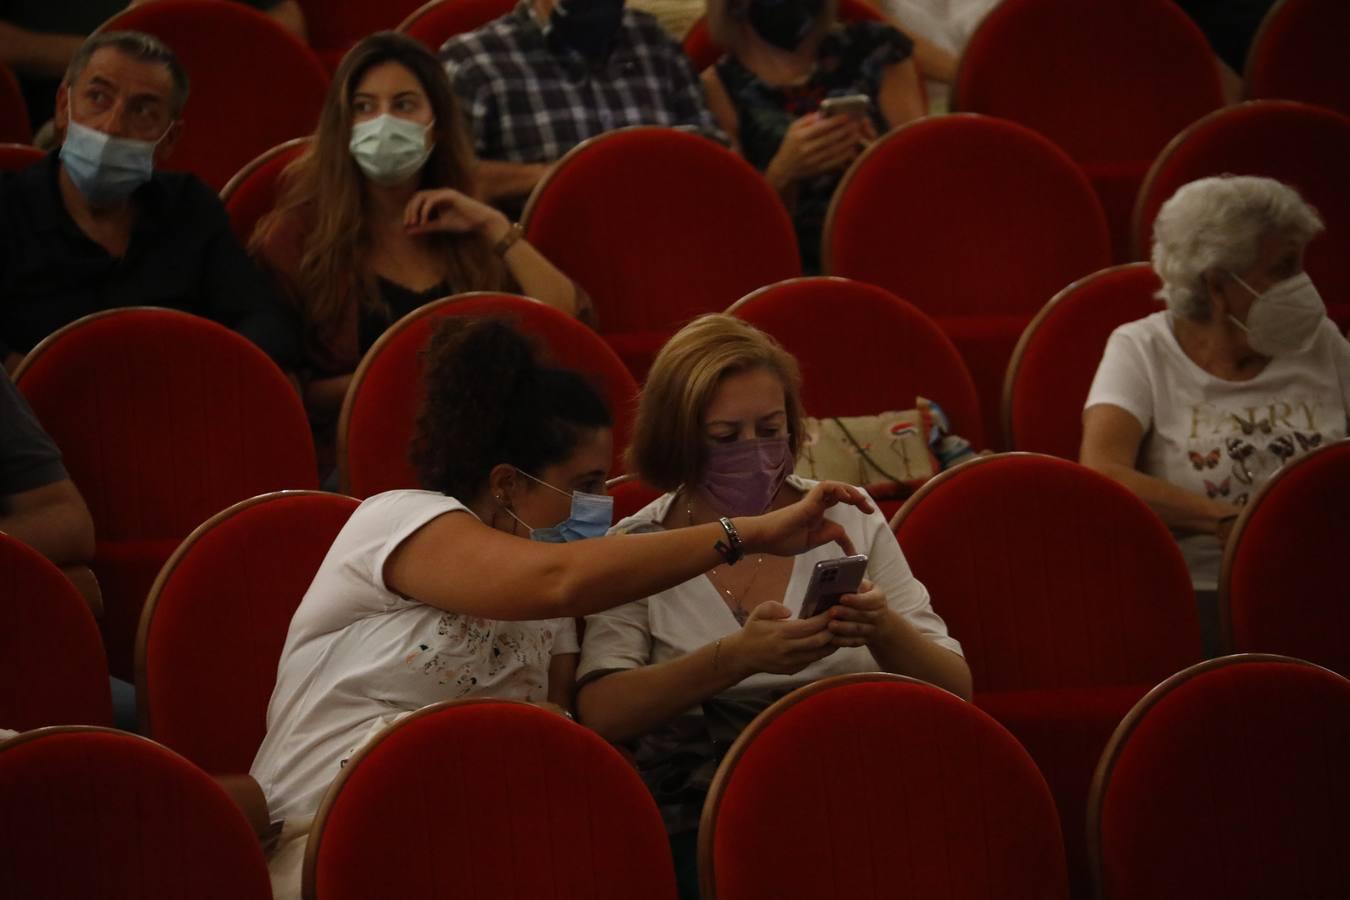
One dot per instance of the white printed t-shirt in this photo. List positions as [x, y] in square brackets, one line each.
[357, 653]
[1222, 439]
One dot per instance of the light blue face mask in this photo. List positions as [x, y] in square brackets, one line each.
[591, 516]
[105, 169]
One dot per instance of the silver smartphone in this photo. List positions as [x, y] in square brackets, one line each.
[830, 580]
[854, 105]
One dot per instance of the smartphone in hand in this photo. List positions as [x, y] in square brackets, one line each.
[855, 106]
[830, 580]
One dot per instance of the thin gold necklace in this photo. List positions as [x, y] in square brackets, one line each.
[739, 611]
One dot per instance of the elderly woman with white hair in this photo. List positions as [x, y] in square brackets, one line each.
[1194, 407]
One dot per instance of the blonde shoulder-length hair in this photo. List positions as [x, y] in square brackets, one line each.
[323, 192]
[669, 448]
[727, 21]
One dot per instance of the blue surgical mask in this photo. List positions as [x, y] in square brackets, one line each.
[591, 516]
[105, 169]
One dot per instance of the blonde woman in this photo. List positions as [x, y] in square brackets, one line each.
[680, 671]
[378, 216]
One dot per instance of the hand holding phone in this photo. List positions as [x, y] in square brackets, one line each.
[830, 580]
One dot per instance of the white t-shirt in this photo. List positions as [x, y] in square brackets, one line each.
[945, 23]
[1221, 438]
[357, 654]
[692, 615]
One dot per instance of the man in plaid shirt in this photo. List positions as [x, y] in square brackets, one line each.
[539, 80]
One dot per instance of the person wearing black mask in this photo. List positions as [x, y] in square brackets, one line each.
[784, 57]
[552, 73]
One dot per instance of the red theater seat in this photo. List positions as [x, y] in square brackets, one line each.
[975, 221]
[254, 84]
[335, 25]
[1227, 782]
[1053, 365]
[52, 669]
[703, 51]
[164, 419]
[375, 428]
[216, 619]
[1069, 597]
[863, 350]
[504, 799]
[14, 124]
[1282, 586]
[659, 226]
[92, 812]
[898, 789]
[1299, 54]
[436, 22]
[254, 190]
[14, 157]
[1110, 81]
[1303, 146]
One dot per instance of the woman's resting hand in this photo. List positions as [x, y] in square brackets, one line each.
[446, 209]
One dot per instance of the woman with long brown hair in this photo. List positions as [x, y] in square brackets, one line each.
[378, 217]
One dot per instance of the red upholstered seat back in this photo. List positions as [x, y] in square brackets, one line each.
[630, 495]
[216, 620]
[900, 790]
[254, 189]
[254, 84]
[1108, 80]
[1283, 582]
[335, 25]
[101, 813]
[14, 124]
[1299, 54]
[380, 411]
[1050, 575]
[52, 669]
[164, 419]
[703, 51]
[504, 800]
[659, 225]
[1053, 366]
[862, 350]
[436, 22]
[1303, 146]
[18, 156]
[1228, 781]
[975, 221]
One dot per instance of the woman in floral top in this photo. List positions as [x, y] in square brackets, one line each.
[783, 58]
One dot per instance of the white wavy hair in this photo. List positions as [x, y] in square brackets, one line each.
[1218, 224]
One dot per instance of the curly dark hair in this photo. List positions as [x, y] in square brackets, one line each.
[489, 400]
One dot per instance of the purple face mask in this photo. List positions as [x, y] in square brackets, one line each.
[741, 478]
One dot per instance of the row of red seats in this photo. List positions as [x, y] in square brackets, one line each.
[1034, 563]
[976, 221]
[1227, 780]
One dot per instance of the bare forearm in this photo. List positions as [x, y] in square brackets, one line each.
[624, 705]
[63, 535]
[1181, 509]
[934, 62]
[37, 54]
[498, 180]
[902, 649]
[537, 277]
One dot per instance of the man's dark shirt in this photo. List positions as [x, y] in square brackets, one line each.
[182, 255]
[28, 458]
